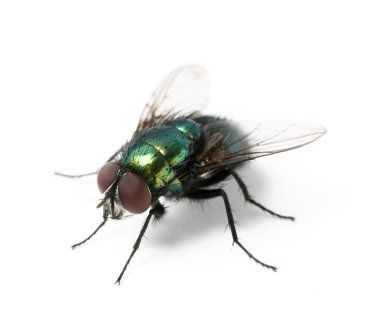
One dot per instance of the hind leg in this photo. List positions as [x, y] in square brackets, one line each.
[204, 194]
[248, 197]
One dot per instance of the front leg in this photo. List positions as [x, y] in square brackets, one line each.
[105, 217]
[76, 176]
[157, 211]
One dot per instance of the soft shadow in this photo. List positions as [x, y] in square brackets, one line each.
[188, 220]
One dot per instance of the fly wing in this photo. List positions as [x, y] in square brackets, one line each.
[186, 89]
[269, 138]
[264, 139]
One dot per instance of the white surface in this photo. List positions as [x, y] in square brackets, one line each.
[74, 76]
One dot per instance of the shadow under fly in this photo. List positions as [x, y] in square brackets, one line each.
[179, 153]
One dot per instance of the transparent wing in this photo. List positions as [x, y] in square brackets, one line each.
[255, 140]
[271, 137]
[183, 90]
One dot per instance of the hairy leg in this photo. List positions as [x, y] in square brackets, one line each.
[248, 197]
[203, 194]
[94, 233]
[156, 211]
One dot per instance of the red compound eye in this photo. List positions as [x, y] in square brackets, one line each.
[134, 193]
[106, 176]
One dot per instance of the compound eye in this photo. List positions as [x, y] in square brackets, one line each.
[134, 193]
[106, 176]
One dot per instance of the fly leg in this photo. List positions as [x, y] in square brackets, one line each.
[248, 197]
[203, 194]
[157, 211]
[87, 174]
[94, 233]
[76, 176]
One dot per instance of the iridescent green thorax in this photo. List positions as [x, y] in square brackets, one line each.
[158, 154]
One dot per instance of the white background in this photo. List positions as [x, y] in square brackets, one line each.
[74, 76]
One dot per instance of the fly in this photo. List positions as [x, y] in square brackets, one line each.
[177, 152]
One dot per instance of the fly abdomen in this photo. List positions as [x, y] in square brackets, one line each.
[188, 127]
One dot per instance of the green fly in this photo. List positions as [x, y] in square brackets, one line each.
[177, 152]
